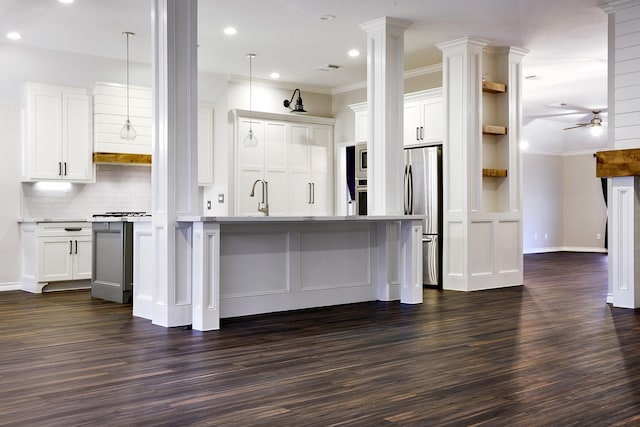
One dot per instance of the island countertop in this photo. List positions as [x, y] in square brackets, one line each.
[273, 219]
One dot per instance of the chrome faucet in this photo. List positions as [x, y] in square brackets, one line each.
[265, 196]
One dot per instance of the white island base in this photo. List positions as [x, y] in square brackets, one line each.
[251, 265]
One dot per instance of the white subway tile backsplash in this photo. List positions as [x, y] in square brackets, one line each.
[117, 188]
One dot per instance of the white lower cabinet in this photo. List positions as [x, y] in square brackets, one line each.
[293, 156]
[56, 252]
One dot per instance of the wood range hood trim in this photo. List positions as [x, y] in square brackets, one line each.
[614, 163]
[122, 158]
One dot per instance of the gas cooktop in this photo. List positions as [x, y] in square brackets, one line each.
[121, 214]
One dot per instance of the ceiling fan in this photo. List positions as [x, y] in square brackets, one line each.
[595, 121]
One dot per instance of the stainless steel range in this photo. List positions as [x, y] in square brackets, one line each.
[112, 273]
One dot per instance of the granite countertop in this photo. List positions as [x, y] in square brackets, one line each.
[30, 220]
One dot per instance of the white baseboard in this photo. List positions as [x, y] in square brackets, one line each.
[564, 249]
[10, 286]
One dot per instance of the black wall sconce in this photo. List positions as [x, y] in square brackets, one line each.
[299, 108]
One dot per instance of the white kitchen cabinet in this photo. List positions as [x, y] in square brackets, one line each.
[64, 258]
[58, 144]
[310, 153]
[294, 154]
[423, 117]
[262, 158]
[205, 144]
[56, 252]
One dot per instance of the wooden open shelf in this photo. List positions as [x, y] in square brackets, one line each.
[493, 87]
[494, 130]
[140, 159]
[494, 173]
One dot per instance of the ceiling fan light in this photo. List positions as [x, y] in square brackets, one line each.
[596, 130]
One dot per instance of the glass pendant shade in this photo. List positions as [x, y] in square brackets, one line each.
[128, 132]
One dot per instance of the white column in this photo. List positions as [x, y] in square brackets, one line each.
[462, 154]
[624, 87]
[174, 167]
[385, 97]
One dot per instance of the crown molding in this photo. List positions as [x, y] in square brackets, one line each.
[416, 72]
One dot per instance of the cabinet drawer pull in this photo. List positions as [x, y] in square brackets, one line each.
[73, 229]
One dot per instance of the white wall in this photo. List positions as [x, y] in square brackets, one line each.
[585, 213]
[562, 199]
[9, 196]
[542, 207]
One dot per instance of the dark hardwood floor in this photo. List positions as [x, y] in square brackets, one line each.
[548, 353]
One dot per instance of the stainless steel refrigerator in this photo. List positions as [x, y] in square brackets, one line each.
[423, 196]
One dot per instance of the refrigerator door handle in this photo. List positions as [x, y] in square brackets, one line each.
[410, 178]
[427, 240]
[405, 188]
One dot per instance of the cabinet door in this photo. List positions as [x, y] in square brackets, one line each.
[55, 259]
[412, 123]
[299, 168]
[321, 171]
[205, 146]
[45, 134]
[77, 143]
[82, 255]
[275, 166]
[362, 125]
[249, 165]
[433, 120]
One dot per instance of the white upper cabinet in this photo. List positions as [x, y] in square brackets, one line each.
[423, 117]
[205, 144]
[58, 145]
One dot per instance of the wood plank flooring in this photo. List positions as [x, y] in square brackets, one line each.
[548, 353]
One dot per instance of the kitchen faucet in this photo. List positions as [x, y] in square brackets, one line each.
[265, 196]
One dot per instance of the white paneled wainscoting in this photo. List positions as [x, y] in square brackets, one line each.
[242, 265]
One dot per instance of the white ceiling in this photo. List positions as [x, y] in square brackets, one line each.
[567, 40]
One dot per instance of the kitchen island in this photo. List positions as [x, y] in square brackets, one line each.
[249, 265]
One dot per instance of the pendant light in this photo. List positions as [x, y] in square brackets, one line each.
[128, 132]
[250, 140]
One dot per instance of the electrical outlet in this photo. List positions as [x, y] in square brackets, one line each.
[546, 236]
[598, 236]
[535, 236]
[209, 205]
[220, 198]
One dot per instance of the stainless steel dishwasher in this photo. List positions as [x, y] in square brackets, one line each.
[112, 273]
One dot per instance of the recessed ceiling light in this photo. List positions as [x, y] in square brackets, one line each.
[230, 31]
[66, 1]
[354, 53]
[14, 35]
[328, 17]
[274, 75]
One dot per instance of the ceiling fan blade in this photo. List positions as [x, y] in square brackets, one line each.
[578, 126]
